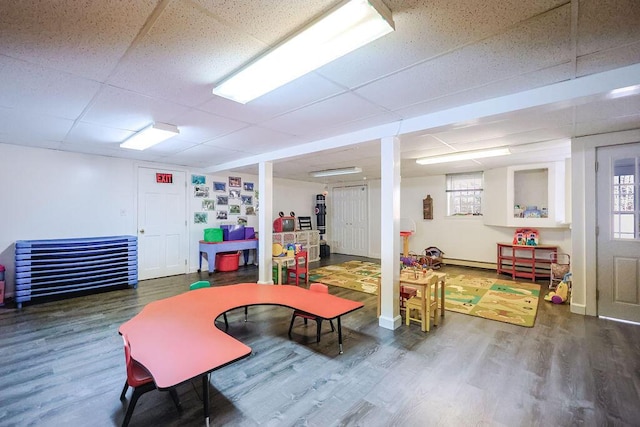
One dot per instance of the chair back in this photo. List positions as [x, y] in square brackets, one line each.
[319, 287]
[199, 285]
[302, 255]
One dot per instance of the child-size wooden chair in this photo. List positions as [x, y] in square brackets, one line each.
[425, 304]
[300, 267]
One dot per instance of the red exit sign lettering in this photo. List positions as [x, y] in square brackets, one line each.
[164, 178]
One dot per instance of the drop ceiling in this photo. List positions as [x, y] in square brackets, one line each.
[454, 76]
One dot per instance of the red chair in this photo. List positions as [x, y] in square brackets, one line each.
[141, 381]
[301, 266]
[315, 287]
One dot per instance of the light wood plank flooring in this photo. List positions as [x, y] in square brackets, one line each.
[62, 364]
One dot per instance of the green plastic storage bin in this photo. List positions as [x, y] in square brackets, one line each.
[213, 234]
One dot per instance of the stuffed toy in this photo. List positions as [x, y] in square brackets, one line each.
[561, 293]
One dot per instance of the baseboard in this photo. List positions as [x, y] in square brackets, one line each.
[467, 263]
[390, 323]
[579, 309]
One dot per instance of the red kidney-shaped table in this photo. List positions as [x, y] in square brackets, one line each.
[176, 339]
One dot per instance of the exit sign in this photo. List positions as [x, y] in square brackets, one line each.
[164, 178]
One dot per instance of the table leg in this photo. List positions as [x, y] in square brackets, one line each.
[340, 334]
[200, 262]
[205, 398]
[246, 256]
[212, 260]
[442, 286]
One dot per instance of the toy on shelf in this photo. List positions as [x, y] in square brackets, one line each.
[561, 293]
[526, 237]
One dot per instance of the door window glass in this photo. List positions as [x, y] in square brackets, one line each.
[624, 213]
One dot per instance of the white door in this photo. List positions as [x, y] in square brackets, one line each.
[350, 220]
[162, 223]
[618, 219]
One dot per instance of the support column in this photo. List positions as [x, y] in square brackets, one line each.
[390, 233]
[265, 226]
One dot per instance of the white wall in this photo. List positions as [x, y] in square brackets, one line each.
[47, 194]
[459, 238]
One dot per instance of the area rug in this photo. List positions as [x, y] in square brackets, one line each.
[356, 275]
[495, 299]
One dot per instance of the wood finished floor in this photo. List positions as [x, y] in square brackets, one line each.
[62, 364]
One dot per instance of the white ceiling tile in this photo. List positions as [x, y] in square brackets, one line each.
[201, 156]
[608, 60]
[537, 44]
[84, 38]
[42, 90]
[255, 140]
[287, 14]
[426, 30]
[198, 126]
[124, 109]
[89, 133]
[330, 112]
[24, 127]
[604, 25]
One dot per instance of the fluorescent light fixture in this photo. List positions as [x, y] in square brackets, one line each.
[464, 155]
[333, 172]
[151, 135]
[349, 26]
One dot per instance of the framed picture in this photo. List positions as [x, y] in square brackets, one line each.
[221, 215]
[249, 210]
[219, 186]
[242, 220]
[200, 217]
[235, 181]
[208, 205]
[197, 179]
[234, 194]
[248, 186]
[234, 209]
[222, 200]
[200, 191]
[246, 200]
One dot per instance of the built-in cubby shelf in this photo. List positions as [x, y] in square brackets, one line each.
[526, 196]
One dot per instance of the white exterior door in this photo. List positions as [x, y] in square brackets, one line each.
[350, 222]
[162, 223]
[618, 219]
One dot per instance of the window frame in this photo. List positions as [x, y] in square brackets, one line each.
[461, 196]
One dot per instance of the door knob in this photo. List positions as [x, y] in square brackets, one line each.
[142, 231]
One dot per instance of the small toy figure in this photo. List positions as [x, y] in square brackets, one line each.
[433, 257]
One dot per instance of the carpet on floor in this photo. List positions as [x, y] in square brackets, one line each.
[489, 298]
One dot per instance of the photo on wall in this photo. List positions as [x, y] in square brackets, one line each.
[197, 179]
[200, 217]
[249, 210]
[242, 220]
[208, 205]
[219, 187]
[221, 215]
[248, 186]
[234, 194]
[222, 200]
[246, 200]
[234, 209]
[235, 181]
[200, 191]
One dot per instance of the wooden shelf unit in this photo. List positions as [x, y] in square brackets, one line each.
[531, 262]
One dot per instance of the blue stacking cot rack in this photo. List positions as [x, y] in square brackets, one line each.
[50, 268]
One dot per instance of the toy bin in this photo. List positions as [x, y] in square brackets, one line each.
[249, 233]
[232, 232]
[227, 261]
[213, 235]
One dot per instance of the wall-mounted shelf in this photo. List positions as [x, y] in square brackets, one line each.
[541, 185]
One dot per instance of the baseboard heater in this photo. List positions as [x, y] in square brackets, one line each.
[50, 268]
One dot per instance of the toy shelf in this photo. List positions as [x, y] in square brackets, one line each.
[531, 262]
